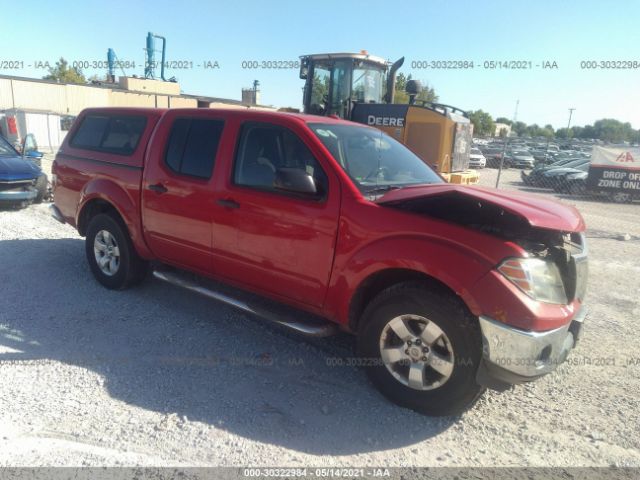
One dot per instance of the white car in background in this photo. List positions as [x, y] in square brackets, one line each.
[477, 159]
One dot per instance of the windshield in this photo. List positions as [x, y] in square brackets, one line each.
[584, 167]
[372, 159]
[576, 163]
[338, 82]
[476, 151]
[6, 150]
[368, 84]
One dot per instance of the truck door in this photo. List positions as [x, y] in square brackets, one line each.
[177, 189]
[276, 242]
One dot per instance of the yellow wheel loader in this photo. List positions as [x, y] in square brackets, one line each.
[360, 87]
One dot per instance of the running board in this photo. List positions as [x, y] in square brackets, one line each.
[299, 321]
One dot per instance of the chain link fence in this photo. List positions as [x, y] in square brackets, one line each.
[602, 181]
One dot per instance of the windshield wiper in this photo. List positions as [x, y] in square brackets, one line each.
[382, 189]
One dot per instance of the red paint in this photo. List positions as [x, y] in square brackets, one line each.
[12, 125]
[310, 254]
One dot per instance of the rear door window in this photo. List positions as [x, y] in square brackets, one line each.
[193, 145]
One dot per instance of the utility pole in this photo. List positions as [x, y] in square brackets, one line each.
[569, 122]
[570, 115]
[506, 143]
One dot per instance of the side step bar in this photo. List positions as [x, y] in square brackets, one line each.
[301, 322]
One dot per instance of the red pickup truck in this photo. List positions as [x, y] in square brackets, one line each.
[318, 223]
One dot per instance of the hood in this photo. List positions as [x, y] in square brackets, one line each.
[579, 174]
[534, 210]
[17, 168]
[561, 171]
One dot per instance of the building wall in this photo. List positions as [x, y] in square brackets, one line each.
[39, 106]
[46, 127]
[237, 106]
[146, 85]
[67, 99]
[502, 126]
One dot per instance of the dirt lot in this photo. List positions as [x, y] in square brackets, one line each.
[158, 376]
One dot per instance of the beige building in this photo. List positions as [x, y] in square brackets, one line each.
[500, 127]
[46, 108]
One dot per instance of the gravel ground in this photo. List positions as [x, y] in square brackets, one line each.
[158, 376]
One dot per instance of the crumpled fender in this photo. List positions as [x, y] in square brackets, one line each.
[457, 266]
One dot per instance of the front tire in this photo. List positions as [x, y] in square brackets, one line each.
[422, 349]
[110, 253]
[41, 187]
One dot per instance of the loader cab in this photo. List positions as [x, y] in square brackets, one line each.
[335, 82]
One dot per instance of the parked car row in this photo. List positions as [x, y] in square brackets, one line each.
[521, 155]
[553, 175]
[612, 174]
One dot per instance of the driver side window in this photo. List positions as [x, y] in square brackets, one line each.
[264, 149]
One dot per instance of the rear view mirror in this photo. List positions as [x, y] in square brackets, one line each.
[295, 180]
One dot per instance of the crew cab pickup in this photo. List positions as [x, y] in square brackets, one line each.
[318, 223]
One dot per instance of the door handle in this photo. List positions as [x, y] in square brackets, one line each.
[228, 203]
[158, 188]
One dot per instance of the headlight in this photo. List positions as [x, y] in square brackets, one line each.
[540, 279]
[574, 176]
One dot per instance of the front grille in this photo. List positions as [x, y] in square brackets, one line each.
[15, 185]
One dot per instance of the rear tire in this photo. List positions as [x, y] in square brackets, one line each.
[111, 255]
[441, 381]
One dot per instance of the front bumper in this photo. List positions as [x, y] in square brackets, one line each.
[18, 195]
[511, 355]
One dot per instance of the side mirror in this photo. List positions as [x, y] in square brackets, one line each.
[30, 147]
[295, 180]
[33, 154]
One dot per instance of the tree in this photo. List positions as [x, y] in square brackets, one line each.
[400, 95]
[504, 120]
[520, 128]
[576, 132]
[483, 124]
[533, 130]
[547, 132]
[588, 132]
[62, 73]
[611, 130]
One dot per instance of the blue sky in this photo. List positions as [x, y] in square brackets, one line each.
[230, 32]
